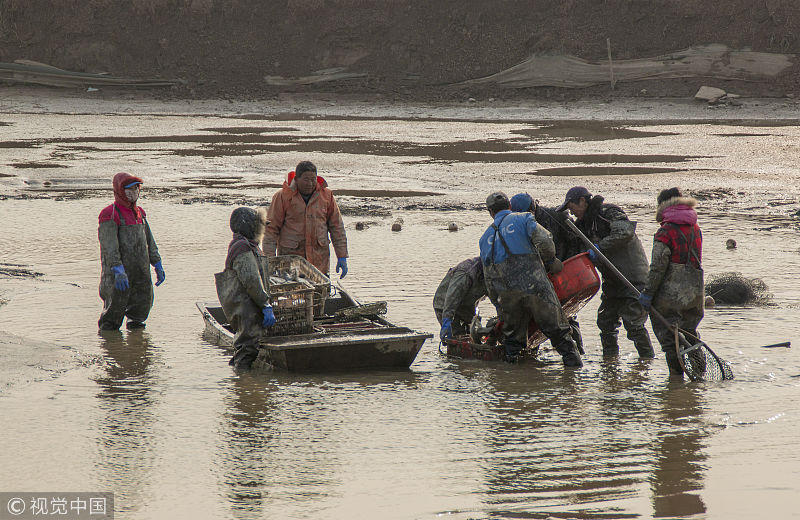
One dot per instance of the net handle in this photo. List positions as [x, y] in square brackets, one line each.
[613, 269]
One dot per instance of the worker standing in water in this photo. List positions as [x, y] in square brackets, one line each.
[302, 216]
[242, 287]
[567, 245]
[609, 228]
[675, 281]
[127, 250]
[517, 254]
[457, 295]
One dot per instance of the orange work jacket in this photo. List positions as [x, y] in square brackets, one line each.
[297, 228]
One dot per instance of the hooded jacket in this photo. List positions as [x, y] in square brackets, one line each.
[460, 290]
[297, 228]
[247, 266]
[131, 213]
[679, 230]
[608, 226]
[122, 212]
[678, 242]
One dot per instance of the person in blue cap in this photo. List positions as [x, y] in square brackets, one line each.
[127, 250]
[567, 244]
[609, 228]
[517, 254]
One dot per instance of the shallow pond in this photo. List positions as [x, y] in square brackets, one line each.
[158, 417]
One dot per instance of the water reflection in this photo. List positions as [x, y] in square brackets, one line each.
[553, 447]
[250, 433]
[581, 443]
[678, 477]
[127, 398]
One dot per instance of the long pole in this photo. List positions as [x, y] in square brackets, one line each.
[613, 269]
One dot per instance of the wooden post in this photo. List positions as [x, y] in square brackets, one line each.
[610, 62]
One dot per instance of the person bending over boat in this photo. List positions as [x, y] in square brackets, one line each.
[127, 250]
[609, 228]
[457, 295]
[675, 281]
[241, 288]
[567, 244]
[517, 253]
[302, 215]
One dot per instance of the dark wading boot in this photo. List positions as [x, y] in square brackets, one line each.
[610, 345]
[675, 368]
[131, 325]
[243, 357]
[572, 359]
[575, 332]
[644, 348]
[512, 350]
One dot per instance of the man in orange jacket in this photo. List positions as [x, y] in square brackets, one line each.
[302, 215]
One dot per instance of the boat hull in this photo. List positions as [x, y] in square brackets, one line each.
[364, 345]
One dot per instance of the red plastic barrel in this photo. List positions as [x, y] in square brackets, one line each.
[577, 282]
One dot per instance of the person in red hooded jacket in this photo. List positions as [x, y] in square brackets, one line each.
[675, 280]
[127, 250]
[301, 216]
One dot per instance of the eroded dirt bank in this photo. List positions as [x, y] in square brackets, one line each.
[397, 48]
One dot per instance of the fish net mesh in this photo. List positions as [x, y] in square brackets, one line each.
[734, 289]
[701, 364]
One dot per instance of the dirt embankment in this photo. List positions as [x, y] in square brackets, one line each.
[400, 47]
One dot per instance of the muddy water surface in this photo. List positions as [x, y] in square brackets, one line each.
[158, 417]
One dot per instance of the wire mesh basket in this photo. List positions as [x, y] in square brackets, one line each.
[296, 268]
[293, 305]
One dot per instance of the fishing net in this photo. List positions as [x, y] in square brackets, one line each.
[734, 289]
[701, 364]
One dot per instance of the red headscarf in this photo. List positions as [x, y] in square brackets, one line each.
[132, 213]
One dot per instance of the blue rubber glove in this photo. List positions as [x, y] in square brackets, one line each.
[269, 317]
[341, 265]
[646, 300]
[593, 256]
[120, 278]
[447, 329]
[160, 275]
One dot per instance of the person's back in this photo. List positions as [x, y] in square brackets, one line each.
[458, 293]
[514, 253]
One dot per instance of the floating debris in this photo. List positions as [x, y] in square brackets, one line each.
[452, 226]
[730, 243]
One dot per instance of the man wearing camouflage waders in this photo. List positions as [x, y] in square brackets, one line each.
[127, 250]
[609, 228]
[241, 287]
[567, 244]
[675, 281]
[458, 293]
[514, 252]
